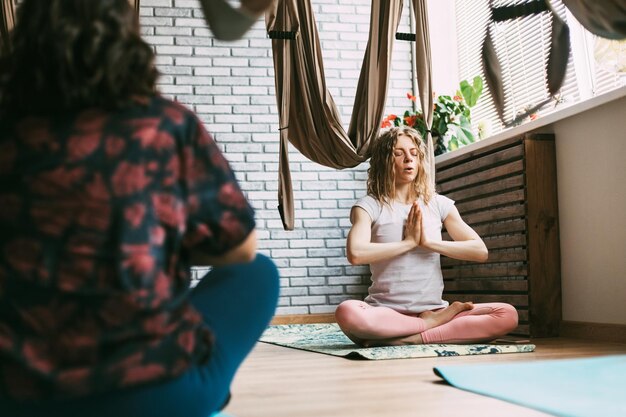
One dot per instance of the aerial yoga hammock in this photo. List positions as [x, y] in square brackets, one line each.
[605, 18]
[308, 116]
[7, 21]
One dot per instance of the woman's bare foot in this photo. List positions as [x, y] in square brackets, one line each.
[437, 318]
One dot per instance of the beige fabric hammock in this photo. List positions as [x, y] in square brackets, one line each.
[308, 116]
[606, 18]
[7, 21]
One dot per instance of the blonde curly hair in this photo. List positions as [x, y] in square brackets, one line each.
[381, 174]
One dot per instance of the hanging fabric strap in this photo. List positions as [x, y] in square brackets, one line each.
[308, 116]
[135, 5]
[423, 65]
[557, 58]
[605, 18]
[7, 21]
[283, 92]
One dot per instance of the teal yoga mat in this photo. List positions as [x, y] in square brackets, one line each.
[589, 387]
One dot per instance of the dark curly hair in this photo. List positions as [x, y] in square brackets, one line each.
[67, 55]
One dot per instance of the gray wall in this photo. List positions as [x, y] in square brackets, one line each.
[231, 88]
[591, 174]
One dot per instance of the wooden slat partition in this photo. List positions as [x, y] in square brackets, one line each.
[507, 193]
[494, 256]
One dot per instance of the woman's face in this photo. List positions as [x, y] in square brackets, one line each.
[405, 160]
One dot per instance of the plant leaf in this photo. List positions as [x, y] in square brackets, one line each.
[420, 126]
[472, 92]
[462, 132]
[478, 86]
[453, 144]
[442, 127]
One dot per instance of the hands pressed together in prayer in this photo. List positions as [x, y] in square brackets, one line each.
[414, 228]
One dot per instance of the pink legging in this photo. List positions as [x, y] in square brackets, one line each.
[487, 321]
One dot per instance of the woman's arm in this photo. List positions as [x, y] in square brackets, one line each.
[360, 248]
[243, 253]
[466, 244]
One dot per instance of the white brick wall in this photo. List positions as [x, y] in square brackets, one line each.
[231, 87]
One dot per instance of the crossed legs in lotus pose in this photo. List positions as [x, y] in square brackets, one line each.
[369, 326]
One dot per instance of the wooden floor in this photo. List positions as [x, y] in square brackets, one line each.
[275, 381]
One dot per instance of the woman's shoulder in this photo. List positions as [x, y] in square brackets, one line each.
[441, 204]
[175, 117]
[370, 204]
[441, 199]
[173, 107]
[366, 199]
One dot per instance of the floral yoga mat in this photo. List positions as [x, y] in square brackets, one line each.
[329, 339]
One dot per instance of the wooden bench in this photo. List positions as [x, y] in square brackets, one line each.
[507, 192]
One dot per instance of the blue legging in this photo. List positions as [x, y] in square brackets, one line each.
[237, 303]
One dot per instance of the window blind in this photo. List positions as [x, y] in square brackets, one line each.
[609, 66]
[522, 46]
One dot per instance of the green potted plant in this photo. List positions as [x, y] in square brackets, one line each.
[452, 125]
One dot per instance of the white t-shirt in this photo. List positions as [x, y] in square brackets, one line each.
[411, 282]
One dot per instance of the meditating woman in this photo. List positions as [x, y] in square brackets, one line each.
[109, 192]
[396, 229]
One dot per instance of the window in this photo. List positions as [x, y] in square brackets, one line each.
[600, 63]
[522, 46]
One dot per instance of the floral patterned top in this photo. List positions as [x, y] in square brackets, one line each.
[98, 213]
